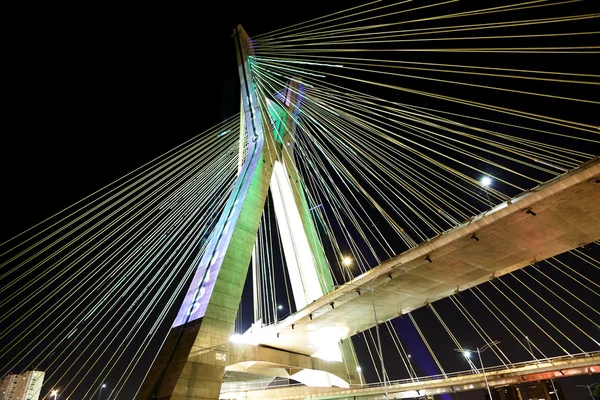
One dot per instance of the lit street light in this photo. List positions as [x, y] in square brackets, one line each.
[276, 312]
[467, 354]
[537, 361]
[529, 343]
[347, 263]
[100, 391]
[411, 371]
[55, 394]
[281, 312]
[486, 181]
[359, 370]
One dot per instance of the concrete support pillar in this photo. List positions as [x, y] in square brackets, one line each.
[192, 361]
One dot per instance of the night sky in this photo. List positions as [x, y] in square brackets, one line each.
[95, 89]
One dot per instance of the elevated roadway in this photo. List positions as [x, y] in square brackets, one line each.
[548, 220]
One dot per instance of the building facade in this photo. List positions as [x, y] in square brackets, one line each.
[8, 386]
[26, 386]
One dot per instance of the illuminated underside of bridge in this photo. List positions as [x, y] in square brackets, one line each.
[553, 218]
[460, 382]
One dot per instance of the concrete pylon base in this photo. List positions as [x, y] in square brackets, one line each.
[186, 368]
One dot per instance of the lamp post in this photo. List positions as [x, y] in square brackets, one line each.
[485, 182]
[378, 340]
[530, 349]
[100, 391]
[589, 388]
[467, 354]
[412, 370]
[359, 370]
[347, 262]
[483, 348]
[279, 308]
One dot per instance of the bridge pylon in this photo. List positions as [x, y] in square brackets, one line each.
[193, 359]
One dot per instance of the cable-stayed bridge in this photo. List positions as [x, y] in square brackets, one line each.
[403, 179]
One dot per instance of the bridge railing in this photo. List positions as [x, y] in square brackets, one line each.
[278, 383]
[495, 368]
[264, 384]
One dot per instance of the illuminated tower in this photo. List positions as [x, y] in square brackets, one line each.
[192, 361]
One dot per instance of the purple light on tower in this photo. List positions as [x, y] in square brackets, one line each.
[196, 300]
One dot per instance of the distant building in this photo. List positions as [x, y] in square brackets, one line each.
[544, 390]
[26, 386]
[8, 386]
[30, 385]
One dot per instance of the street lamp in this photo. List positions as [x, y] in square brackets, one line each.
[589, 388]
[276, 312]
[100, 391]
[467, 354]
[530, 349]
[347, 263]
[359, 370]
[383, 373]
[55, 394]
[486, 181]
[411, 372]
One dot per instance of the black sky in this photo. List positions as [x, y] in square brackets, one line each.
[93, 90]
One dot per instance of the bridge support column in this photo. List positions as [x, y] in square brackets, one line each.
[179, 374]
[191, 363]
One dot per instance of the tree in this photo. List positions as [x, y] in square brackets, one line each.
[596, 391]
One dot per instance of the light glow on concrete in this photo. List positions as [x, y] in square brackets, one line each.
[243, 339]
[314, 378]
[327, 341]
[298, 254]
[329, 353]
[237, 338]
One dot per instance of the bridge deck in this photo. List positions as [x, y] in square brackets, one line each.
[566, 216]
[553, 368]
